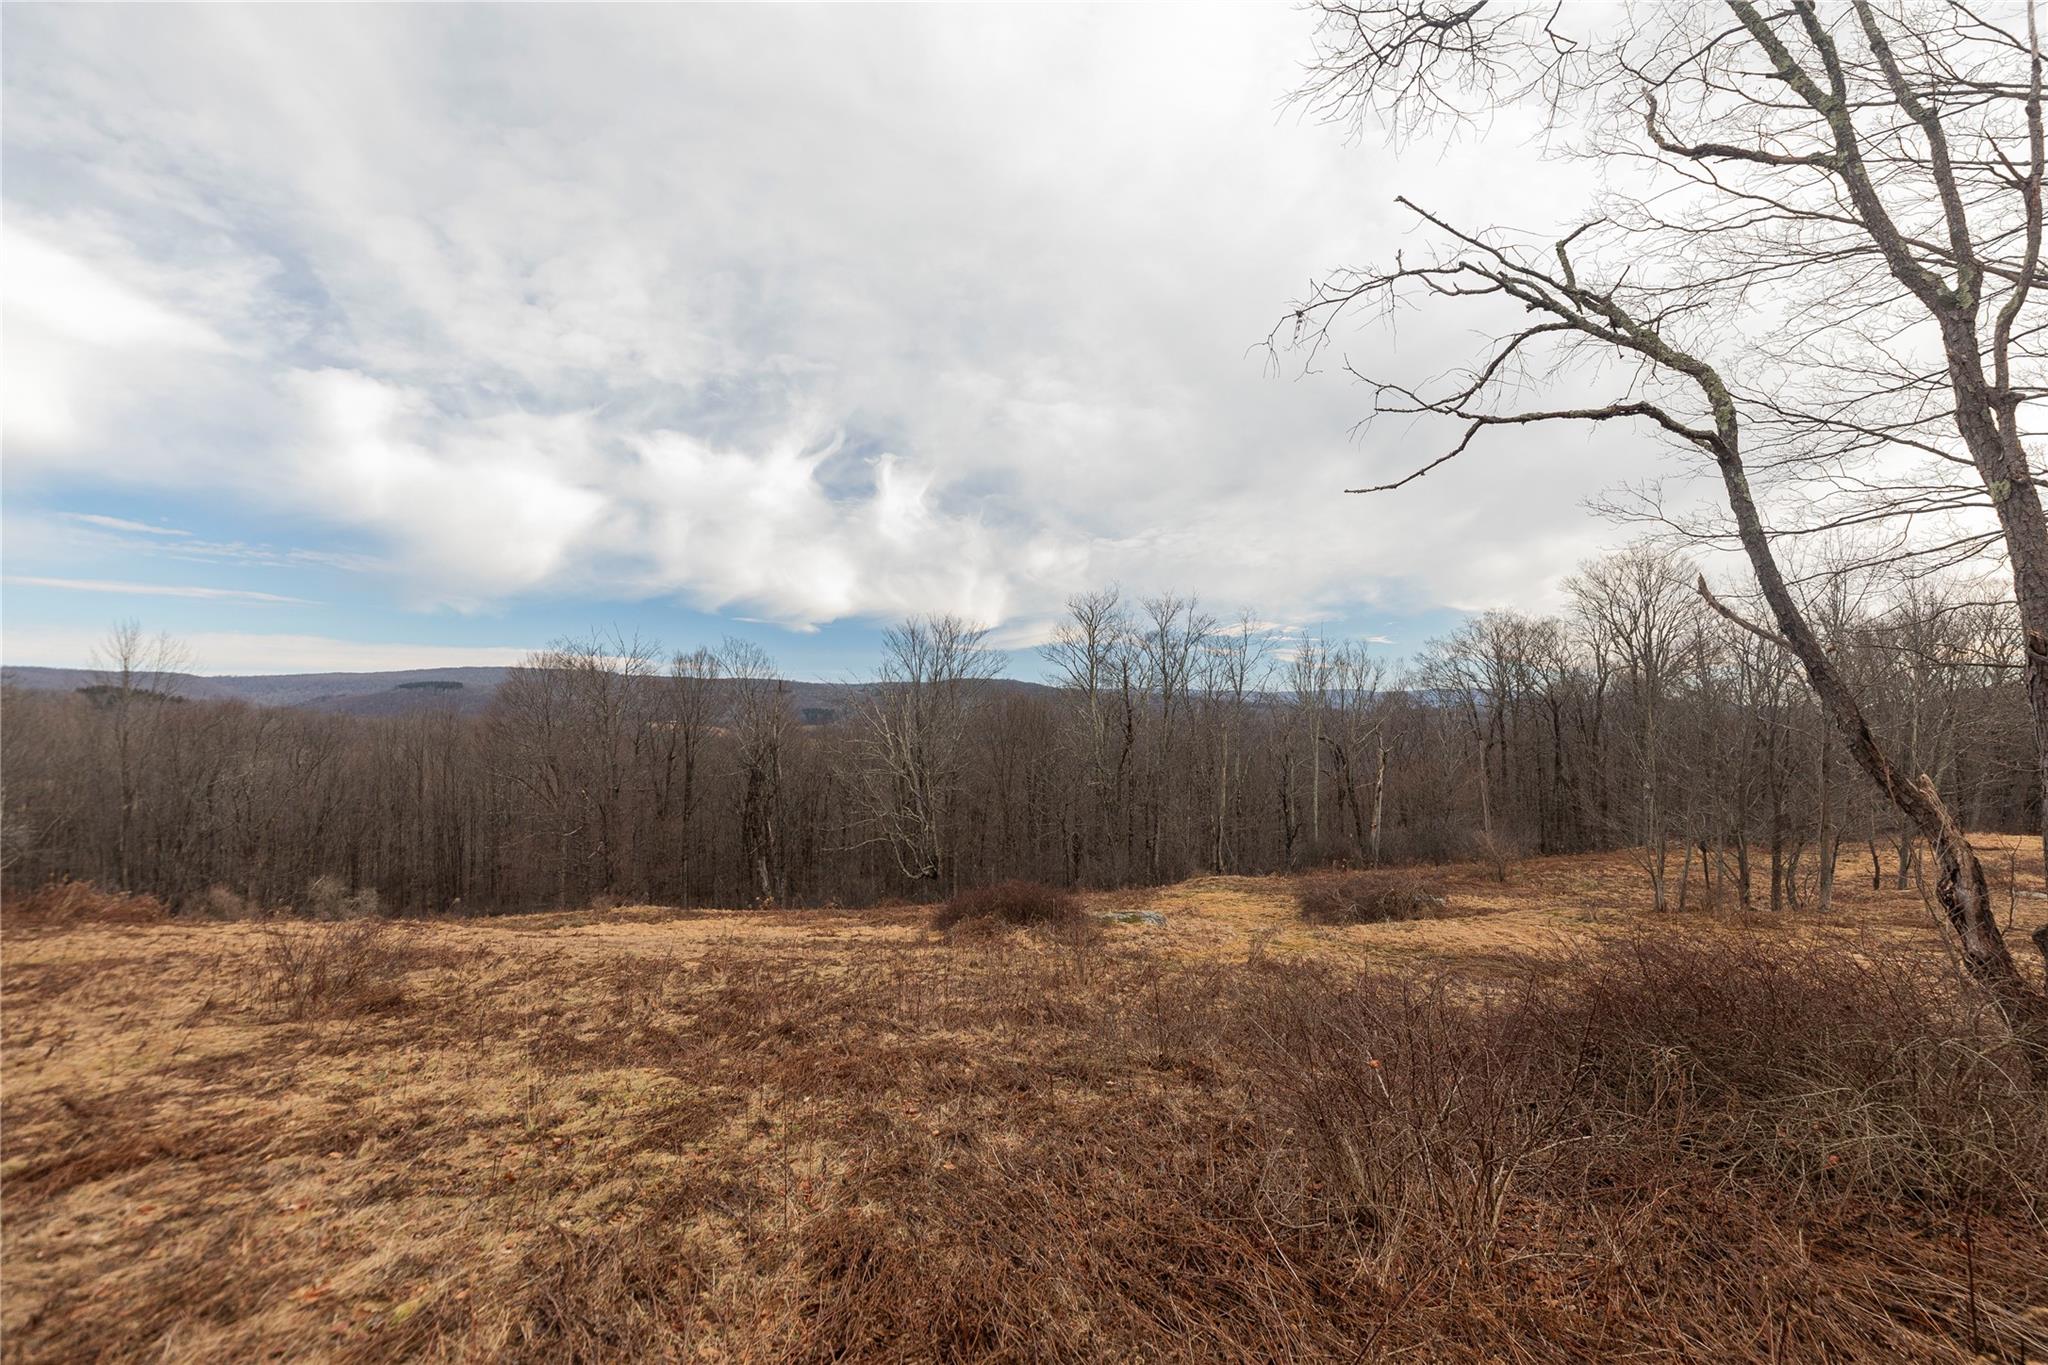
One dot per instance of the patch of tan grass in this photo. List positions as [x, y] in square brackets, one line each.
[637, 1133]
[1549, 906]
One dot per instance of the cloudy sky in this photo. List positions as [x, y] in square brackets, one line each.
[362, 337]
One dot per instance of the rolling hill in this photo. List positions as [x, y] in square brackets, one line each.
[467, 691]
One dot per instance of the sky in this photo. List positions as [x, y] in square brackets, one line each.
[384, 337]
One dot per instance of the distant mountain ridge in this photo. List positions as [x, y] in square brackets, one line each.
[388, 693]
[465, 691]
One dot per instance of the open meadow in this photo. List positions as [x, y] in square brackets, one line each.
[1033, 683]
[1540, 1124]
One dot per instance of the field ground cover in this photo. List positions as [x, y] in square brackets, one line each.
[1546, 1125]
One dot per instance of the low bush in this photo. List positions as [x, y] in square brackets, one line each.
[354, 967]
[332, 898]
[1814, 1072]
[223, 903]
[1763, 1098]
[1497, 849]
[1368, 898]
[71, 902]
[1018, 904]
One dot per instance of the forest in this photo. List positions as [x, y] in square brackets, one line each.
[1167, 741]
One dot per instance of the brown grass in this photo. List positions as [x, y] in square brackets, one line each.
[823, 1136]
[1369, 898]
[1019, 905]
[58, 904]
[353, 967]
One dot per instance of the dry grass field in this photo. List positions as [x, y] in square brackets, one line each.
[1546, 1125]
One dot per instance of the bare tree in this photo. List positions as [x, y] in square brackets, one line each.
[1090, 658]
[1357, 726]
[1308, 676]
[570, 724]
[1170, 642]
[1486, 671]
[761, 720]
[138, 677]
[1233, 674]
[911, 737]
[1638, 602]
[1881, 172]
[683, 719]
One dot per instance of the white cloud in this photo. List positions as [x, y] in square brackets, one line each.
[231, 652]
[106, 523]
[951, 311]
[485, 508]
[63, 317]
[241, 653]
[108, 368]
[105, 585]
[75, 540]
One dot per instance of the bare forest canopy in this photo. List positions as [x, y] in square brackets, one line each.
[1170, 743]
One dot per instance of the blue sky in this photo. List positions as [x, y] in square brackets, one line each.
[306, 604]
[385, 337]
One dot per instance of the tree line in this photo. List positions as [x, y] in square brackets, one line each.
[1166, 742]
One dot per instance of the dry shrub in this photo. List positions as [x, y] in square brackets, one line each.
[353, 967]
[1833, 1069]
[1499, 850]
[1010, 904]
[331, 898]
[1674, 1150]
[224, 903]
[71, 902]
[1368, 898]
[1705, 1109]
[1824, 1071]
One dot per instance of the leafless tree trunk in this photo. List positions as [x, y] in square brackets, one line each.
[912, 730]
[137, 678]
[1829, 146]
[761, 720]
